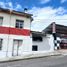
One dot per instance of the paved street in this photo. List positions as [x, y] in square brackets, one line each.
[55, 61]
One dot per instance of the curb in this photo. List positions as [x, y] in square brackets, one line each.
[18, 58]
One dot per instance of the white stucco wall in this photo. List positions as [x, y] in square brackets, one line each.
[7, 45]
[4, 45]
[10, 20]
[46, 45]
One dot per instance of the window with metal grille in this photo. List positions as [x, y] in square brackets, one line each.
[1, 21]
[37, 38]
[19, 24]
[34, 48]
[1, 44]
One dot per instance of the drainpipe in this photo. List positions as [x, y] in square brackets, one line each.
[8, 34]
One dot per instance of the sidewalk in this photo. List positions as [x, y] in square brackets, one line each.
[63, 52]
[30, 56]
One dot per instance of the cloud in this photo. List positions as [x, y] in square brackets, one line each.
[63, 1]
[61, 11]
[2, 4]
[18, 7]
[44, 1]
[44, 16]
[6, 5]
[10, 5]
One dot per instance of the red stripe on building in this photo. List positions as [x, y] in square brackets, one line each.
[14, 31]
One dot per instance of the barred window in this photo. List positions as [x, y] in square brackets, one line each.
[37, 38]
[1, 21]
[19, 24]
[34, 48]
[1, 44]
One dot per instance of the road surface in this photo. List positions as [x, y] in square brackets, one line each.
[54, 61]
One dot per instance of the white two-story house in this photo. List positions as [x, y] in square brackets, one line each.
[14, 33]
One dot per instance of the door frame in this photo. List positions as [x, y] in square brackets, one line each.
[17, 46]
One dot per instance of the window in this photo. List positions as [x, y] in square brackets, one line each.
[1, 21]
[37, 38]
[19, 24]
[1, 44]
[34, 48]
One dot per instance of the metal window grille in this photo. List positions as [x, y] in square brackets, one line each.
[19, 24]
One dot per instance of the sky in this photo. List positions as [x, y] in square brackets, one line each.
[44, 11]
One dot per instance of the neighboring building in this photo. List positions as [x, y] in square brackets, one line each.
[53, 37]
[59, 33]
[14, 33]
[42, 42]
